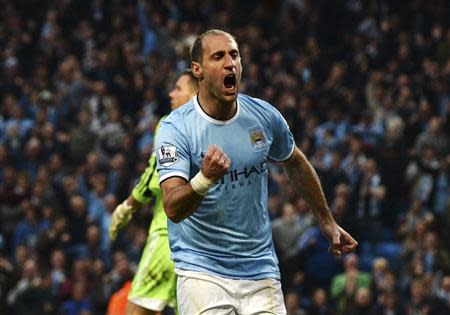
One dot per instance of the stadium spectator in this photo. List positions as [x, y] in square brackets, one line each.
[345, 286]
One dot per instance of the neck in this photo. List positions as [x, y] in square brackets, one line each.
[217, 109]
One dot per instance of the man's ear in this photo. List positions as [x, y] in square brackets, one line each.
[197, 70]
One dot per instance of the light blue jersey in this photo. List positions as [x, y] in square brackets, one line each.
[230, 233]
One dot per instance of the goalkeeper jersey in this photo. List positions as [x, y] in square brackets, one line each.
[147, 189]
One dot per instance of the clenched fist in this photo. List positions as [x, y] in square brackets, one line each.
[215, 163]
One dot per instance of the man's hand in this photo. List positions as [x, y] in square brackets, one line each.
[340, 241]
[121, 216]
[215, 164]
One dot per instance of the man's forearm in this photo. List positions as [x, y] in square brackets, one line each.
[180, 201]
[305, 180]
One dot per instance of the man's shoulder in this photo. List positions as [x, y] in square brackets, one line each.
[179, 115]
[256, 104]
[247, 99]
[257, 107]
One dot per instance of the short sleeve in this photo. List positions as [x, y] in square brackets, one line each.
[172, 153]
[283, 141]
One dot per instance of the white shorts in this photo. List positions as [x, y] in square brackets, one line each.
[206, 294]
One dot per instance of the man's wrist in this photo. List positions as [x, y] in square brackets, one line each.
[201, 184]
[324, 217]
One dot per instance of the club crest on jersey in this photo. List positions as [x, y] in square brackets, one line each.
[167, 155]
[257, 138]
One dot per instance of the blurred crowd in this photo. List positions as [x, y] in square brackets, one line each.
[364, 86]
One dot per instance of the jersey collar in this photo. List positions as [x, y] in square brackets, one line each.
[213, 120]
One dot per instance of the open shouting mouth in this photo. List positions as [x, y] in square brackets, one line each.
[230, 82]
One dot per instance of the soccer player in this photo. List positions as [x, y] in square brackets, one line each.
[212, 162]
[154, 285]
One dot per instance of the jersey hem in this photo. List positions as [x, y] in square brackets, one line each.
[202, 271]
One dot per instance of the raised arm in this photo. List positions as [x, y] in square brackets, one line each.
[182, 198]
[305, 179]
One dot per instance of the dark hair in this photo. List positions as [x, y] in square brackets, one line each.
[192, 79]
[197, 48]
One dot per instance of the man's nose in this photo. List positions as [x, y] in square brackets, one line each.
[229, 62]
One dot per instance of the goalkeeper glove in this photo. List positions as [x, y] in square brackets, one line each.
[120, 217]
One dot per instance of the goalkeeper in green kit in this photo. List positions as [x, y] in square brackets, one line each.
[154, 284]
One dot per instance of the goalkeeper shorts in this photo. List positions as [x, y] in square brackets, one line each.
[154, 284]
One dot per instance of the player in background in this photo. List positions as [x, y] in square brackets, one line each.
[154, 284]
[212, 164]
